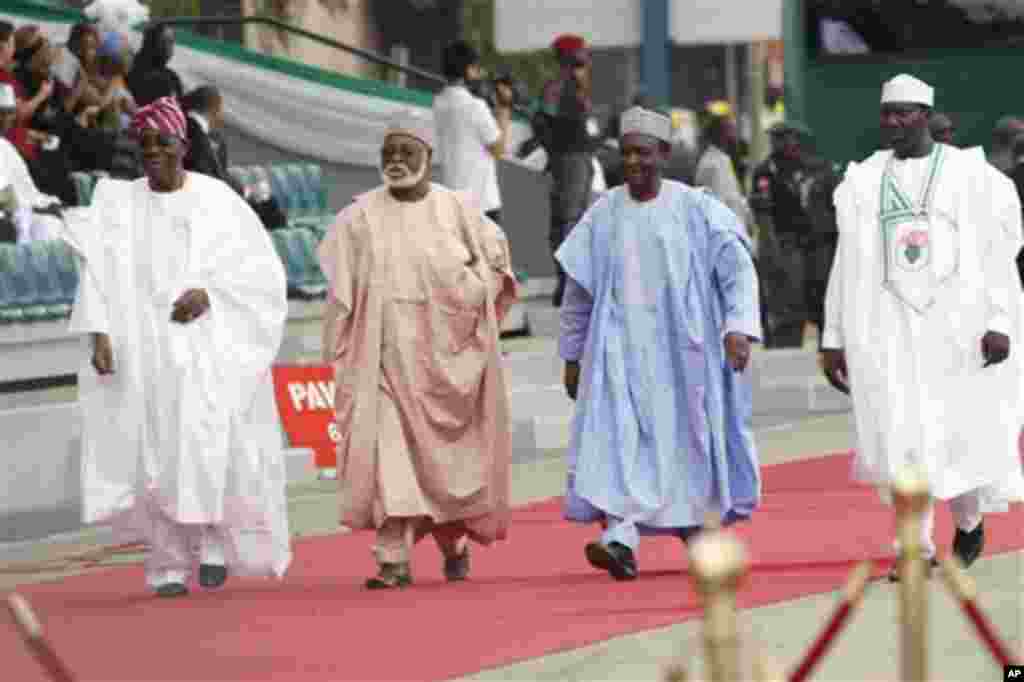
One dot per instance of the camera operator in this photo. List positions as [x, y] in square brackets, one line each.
[470, 139]
[570, 143]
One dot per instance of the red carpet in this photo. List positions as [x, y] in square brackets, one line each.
[530, 596]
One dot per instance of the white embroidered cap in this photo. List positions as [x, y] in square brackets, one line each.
[909, 90]
[414, 124]
[7, 98]
[642, 121]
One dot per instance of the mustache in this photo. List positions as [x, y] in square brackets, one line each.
[397, 166]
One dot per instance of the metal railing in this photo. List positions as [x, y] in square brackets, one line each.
[372, 57]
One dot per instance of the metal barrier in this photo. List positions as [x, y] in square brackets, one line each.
[718, 566]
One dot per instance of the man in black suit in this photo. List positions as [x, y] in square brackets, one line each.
[208, 153]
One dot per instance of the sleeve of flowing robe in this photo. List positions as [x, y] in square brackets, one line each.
[337, 261]
[498, 257]
[577, 307]
[733, 270]
[90, 314]
[245, 281]
[999, 249]
[846, 216]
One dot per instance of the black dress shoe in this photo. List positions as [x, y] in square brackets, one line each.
[614, 557]
[968, 546]
[689, 533]
[894, 572]
[457, 568]
[172, 590]
[212, 575]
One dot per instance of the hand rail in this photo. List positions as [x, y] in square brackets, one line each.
[283, 26]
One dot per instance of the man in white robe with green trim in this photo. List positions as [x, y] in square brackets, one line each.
[922, 308]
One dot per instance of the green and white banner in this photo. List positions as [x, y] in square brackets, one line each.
[292, 106]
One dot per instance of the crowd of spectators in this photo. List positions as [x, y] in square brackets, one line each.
[73, 104]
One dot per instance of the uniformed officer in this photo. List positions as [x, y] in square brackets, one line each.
[792, 201]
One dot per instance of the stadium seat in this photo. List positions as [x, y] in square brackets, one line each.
[47, 300]
[289, 250]
[303, 192]
[315, 178]
[66, 266]
[23, 282]
[10, 308]
[286, 195]
[85, 184]
[314, 283]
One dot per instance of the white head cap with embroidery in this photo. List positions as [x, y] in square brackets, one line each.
[640, 121]
[414, 124]
[906, 89]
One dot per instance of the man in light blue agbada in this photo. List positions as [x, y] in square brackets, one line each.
[660, 309]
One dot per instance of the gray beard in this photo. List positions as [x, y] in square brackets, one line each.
[405, 182]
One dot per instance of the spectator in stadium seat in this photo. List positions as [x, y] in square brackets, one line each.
[184, 299]
[75, 70]
[12, 54]
[111, 74]
[150, 78]
[36, 215]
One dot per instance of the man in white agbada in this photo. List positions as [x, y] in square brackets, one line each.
[184, 300]
[36, 215]
[922, 304]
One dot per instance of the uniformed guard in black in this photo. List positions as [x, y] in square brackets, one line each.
[792, 201]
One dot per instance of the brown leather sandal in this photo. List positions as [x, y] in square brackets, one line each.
[390, 577]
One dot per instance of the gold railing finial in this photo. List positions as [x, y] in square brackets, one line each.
[718, 564]
[911, 499]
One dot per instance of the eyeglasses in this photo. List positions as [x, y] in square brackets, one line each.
[162, 139]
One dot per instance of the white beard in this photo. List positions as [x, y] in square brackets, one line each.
[406, 182]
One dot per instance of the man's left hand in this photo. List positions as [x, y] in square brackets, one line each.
[737, 350]
[995, 348]
[190, 305]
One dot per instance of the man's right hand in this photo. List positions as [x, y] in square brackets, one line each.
[572, 378]
[834, 364]
[102, 354]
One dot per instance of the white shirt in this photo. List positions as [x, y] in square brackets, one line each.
[200, 120]
[465, 127]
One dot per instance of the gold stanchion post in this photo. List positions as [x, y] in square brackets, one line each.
[718, 564]
[911, 497]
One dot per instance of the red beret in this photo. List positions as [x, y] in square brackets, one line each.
[568, 43]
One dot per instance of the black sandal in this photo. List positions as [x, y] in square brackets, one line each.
[390, 577]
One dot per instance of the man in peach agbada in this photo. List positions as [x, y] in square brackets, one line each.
[419, 281]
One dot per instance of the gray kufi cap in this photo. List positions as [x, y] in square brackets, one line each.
[640, 121]
[414, 124]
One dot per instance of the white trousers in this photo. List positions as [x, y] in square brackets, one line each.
[966, 511]
[175, 547]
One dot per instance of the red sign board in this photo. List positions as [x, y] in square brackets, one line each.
[305, 401]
